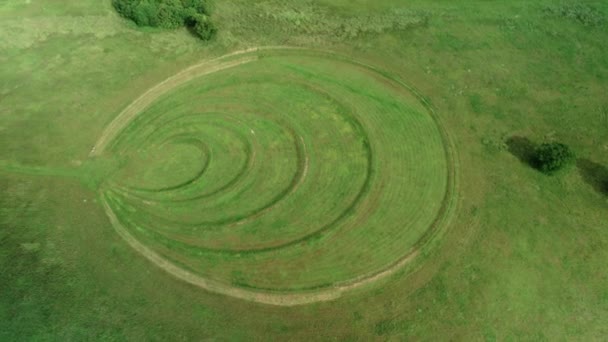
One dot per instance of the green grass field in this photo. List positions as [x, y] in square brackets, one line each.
[319, 170]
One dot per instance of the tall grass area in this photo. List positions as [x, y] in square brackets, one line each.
[524, 257]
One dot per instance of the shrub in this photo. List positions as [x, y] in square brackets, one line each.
[168, 14]
[552, 157]
[202, 26]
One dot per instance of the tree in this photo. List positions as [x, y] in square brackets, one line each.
[552, 157]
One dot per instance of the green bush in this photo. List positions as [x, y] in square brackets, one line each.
[202, 27]
[552, 157]
[168, 14]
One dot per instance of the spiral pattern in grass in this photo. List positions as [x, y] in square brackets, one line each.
[277, 172]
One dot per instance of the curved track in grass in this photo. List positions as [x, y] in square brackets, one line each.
[279, 175]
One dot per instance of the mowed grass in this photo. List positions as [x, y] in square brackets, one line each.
[310, 161]
[524, 258]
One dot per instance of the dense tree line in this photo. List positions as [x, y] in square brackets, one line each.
[169, 14]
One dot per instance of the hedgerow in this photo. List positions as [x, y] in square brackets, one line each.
[169, 14]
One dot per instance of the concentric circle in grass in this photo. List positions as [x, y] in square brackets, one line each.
[277, 174]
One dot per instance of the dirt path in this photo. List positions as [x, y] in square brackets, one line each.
[151, 95]
[265, 297]
[207, 67]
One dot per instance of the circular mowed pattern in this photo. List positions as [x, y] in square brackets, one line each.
[278, 175]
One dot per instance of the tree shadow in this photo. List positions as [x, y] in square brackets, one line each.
[594, 174]
[522, 148]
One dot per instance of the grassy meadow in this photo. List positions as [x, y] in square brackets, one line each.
[522, 255]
